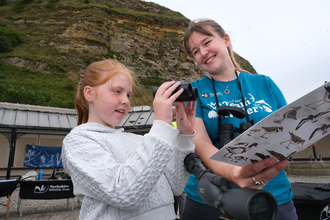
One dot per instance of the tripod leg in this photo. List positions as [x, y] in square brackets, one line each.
[8, 205]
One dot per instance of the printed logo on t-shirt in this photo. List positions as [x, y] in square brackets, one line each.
[205, 95]
[252, 105]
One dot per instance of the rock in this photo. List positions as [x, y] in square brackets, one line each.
[20, 62]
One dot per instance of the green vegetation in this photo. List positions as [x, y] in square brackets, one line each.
[3, 2]
[20, 5]
[20, 85]
[149, 83]
[23, 95]
[122, 56]
[163, 16]
[8, 39]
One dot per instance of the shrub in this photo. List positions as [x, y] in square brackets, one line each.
[52, 4]
[19, 5]
[8, 93]
[3, 2]
[110, 6]
[5, 45]
[12, 36]
[8, 39]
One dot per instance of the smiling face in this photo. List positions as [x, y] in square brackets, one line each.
[210, 52]
[109, 103]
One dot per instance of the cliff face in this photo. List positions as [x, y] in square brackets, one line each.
[151, 46]
[67, 36]
[149, 49]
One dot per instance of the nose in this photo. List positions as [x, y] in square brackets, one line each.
[204, 51]
[124, 99]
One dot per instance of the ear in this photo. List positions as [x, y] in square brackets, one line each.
[227, 40]
[89, 93]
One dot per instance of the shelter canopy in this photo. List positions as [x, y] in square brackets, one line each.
[41, 118]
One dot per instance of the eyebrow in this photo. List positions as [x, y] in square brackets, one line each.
[121, 88]
[205, 39]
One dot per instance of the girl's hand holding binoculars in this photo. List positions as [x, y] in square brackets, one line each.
[185, 117]
[163, 101]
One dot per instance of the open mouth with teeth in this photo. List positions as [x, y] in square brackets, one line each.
[120, 111]
[209, 60]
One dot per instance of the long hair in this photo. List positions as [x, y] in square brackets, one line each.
[94, 75]
[203, 26]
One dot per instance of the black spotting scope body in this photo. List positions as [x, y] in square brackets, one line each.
[189, 93]
[240, 203]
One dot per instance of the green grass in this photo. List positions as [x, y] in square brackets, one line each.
[20, 85]
[17, 85]
[138, 14]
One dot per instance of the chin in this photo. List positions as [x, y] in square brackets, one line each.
[117, 123]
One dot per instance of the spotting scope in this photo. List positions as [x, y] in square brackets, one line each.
[239, 203]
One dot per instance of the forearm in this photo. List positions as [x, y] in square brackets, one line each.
[263, 170]
[176, 173]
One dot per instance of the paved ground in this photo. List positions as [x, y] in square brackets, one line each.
[40, 209]
[57, 209]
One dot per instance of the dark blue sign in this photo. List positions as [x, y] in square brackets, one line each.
[40, 156]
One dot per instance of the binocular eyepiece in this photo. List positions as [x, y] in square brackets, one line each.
[226, 129]
[189, 93]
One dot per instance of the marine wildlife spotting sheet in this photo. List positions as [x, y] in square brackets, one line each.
[283, 133]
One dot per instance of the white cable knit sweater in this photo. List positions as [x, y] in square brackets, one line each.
[119, 175]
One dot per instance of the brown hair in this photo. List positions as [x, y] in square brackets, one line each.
[203, 26]
[94, 75]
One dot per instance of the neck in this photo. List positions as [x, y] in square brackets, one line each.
[225, 76]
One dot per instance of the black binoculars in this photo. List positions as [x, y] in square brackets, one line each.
[189, 93]
[226, 129]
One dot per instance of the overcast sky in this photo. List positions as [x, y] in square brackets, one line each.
[288, 40]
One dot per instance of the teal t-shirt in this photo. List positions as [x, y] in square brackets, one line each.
[262, 97]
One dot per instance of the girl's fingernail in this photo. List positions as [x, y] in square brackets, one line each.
[273, 161]
[285, 164]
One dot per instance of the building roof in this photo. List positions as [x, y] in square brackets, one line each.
[32, 117]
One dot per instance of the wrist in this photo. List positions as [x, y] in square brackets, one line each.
[186, 132]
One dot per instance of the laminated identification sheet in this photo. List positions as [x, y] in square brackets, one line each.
[284, 133]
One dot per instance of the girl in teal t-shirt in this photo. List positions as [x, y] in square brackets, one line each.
[210, 46]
